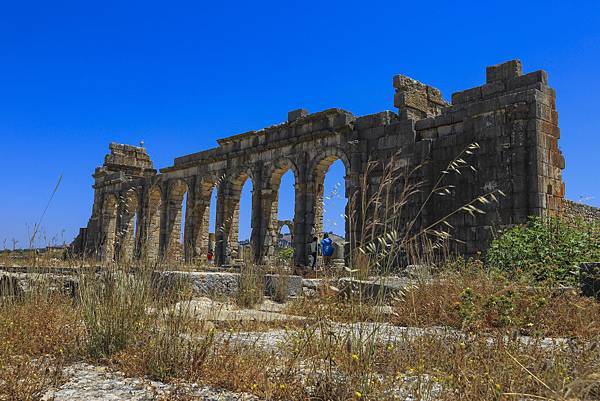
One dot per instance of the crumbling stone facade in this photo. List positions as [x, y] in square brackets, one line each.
[137, 211]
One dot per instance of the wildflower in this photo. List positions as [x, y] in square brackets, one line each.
[358, 394]
[254, 386]
[282, 386]
[497, 386]
[355, 357]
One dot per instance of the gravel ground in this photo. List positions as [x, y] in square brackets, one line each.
[93, 383]
[383, 333]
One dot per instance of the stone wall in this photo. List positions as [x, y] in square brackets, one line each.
[576, 210]
[512, 118]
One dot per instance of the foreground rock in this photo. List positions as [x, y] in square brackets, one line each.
[19, 284]
[208, 309]
[375, 288]
[212, 283]
[92, 383]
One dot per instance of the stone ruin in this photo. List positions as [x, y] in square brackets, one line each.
[137, 210]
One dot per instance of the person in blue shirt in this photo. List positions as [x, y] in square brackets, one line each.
[326, 249]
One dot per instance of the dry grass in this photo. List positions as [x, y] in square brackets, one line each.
[487, 362]
[335, 309]
[251, 286]
[37, 337]
[481, 302]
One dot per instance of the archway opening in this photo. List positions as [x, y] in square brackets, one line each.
[182, 224]
[279, 241]
[243, 236]
[284, 237]
[331, 203]
[204, 223]
[335, 200]
[236, 226]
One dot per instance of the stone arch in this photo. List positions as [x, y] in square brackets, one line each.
[321, 162]
[129, 225]
[271, 202]
[109, 227]
[174, 249]
[318, 167]
[229, 229]
[290, 225]
[201, 216]
[151, 243]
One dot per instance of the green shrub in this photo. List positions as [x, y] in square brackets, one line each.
[545, 250]
[285, 255]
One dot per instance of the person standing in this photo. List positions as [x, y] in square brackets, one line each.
[327, 250]
[314, 248]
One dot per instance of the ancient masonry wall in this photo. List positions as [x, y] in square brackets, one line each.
[512, 117]
[577, 210]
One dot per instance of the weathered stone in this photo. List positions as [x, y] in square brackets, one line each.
[512, 117]
[208, 309]
[291, 284]
[20, 283]
[220, 283]
[381, 287]
[297, 114]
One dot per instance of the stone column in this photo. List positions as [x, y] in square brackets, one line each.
[188, 229]
[306, 200]
[108, 228]
[267, 250]
[126, 228]
[258, 224]
[151, 224]
[220, 224]
[201, 221]
[164, 224]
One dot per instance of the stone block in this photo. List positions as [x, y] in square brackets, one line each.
[445, 130]
[504, 71]
[297, 114]
[291, 284]
[527, 80]
[378, 288]
[492, 89]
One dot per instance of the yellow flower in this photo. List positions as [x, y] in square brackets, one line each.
[354, 357]
[358, 394]
[254, 386]
[282, 386]
[497, 386]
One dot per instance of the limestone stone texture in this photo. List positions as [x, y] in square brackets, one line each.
[137, 210]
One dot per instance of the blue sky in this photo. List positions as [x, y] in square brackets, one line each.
[75, 76]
